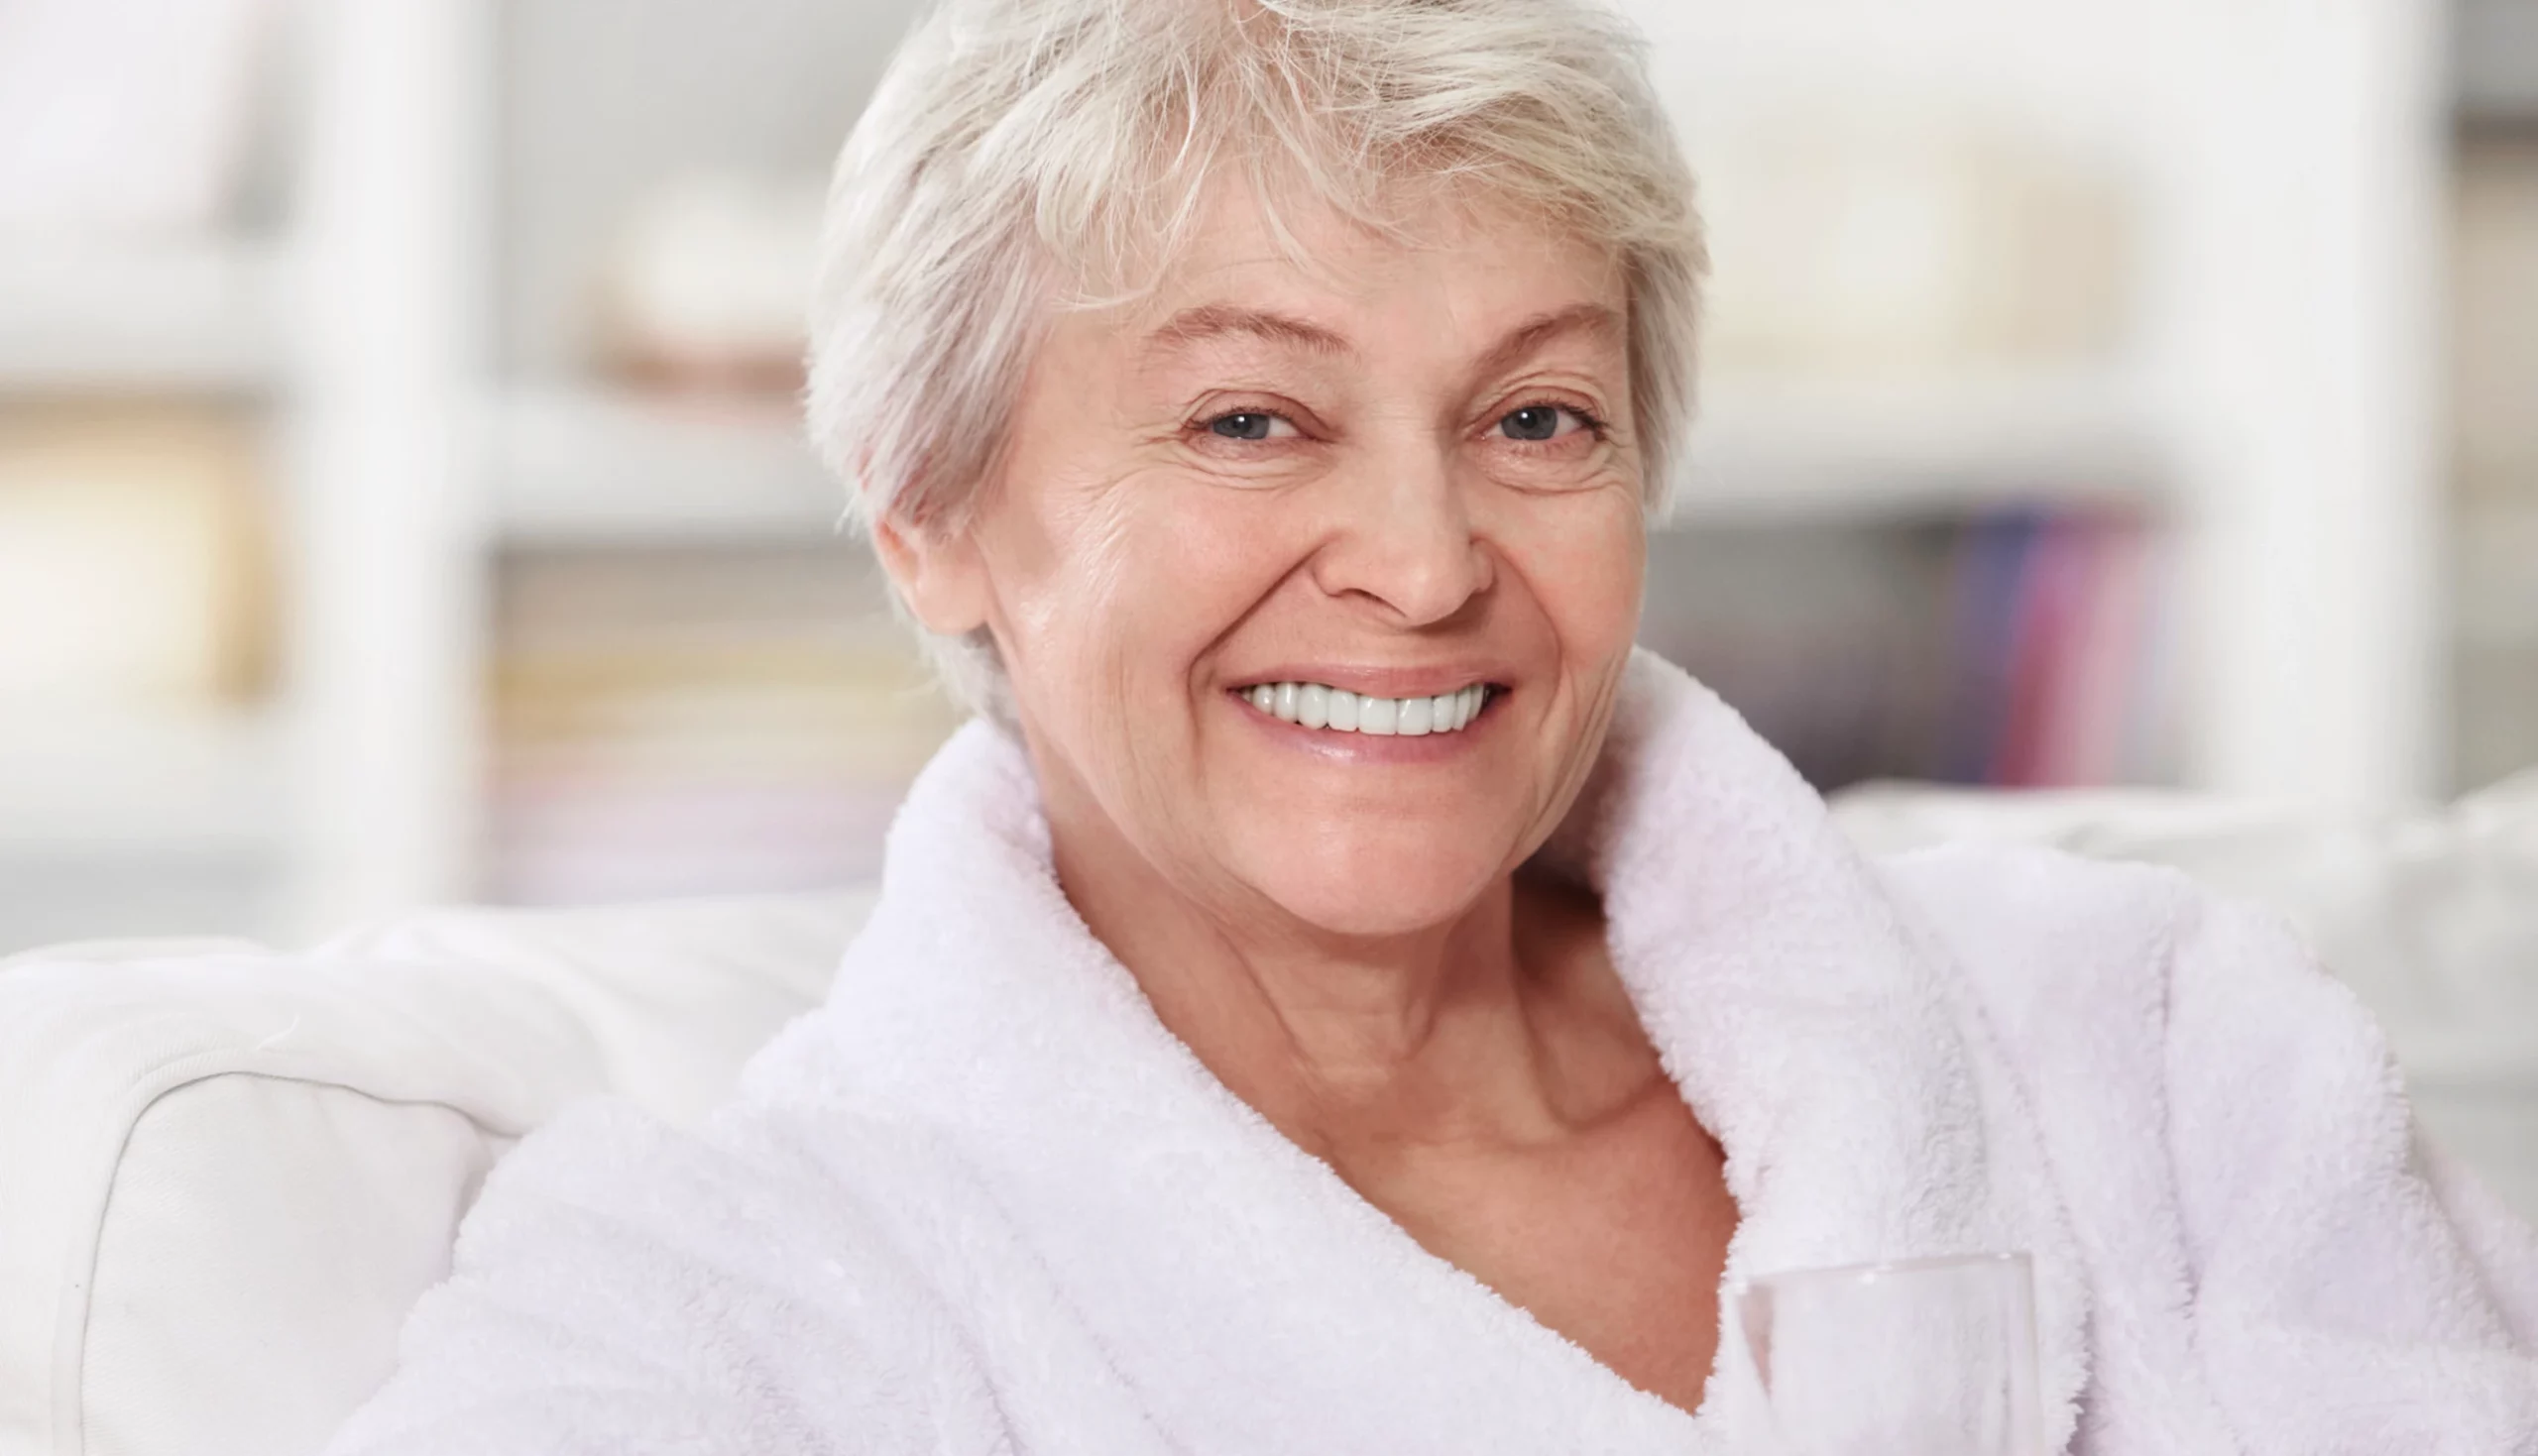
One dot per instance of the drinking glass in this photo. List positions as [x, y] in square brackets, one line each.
[1934, 1357]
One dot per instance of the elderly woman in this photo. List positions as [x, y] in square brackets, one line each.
[1339, 997]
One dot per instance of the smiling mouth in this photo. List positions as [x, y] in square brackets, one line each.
[1338, 711]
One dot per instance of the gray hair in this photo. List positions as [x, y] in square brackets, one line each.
[1024, 154]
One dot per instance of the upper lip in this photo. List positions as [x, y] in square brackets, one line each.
[1381, 682]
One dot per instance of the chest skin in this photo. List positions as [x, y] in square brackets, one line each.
[1613, 1235]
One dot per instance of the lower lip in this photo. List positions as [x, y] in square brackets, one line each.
[1372, 748]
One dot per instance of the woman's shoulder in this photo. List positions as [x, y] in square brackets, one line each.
[751, 1199]
[2037, 931]
[616, 1174]
[2202, 1085]
[2135, 979]
[725, 1271]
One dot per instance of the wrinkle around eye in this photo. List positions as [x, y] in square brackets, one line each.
[1196, 450]
[1577, 459]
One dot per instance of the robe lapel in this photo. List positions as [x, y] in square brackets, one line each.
[1825, 1042]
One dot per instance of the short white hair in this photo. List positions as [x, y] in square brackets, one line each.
[1025, 154]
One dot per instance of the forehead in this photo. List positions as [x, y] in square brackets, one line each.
[1457, 259]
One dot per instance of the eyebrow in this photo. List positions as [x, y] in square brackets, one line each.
[1525, 338]
[1215, 320]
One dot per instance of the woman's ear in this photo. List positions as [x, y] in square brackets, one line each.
[940, 574]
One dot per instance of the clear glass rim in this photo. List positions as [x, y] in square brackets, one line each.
[1871, 1272]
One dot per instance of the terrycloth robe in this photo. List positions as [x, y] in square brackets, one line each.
[983, 1201]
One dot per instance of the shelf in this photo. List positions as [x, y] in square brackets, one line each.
[197, 785]
[84, 317]
[585, 467]
[1783, 450]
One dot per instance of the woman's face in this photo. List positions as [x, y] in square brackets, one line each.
[1397, 474]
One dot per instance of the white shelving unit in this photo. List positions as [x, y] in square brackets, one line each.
[585, 467]
[186, 788]
[347, 330]
[181, 315]
[136, 819]
[1867, 450]
[2289, 162]
[388, 319]
[2274, 402]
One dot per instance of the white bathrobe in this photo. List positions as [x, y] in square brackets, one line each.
[983, 1201]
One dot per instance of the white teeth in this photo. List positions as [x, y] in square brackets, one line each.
[1313, 706]
[1320, 706]
[1344, 709]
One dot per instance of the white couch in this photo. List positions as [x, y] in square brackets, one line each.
[225, 1173]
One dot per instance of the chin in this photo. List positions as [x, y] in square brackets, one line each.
[1382, 885]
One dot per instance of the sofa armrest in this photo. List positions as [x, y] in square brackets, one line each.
[226, 1174]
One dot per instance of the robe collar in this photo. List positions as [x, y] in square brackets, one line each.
[1255, 1301]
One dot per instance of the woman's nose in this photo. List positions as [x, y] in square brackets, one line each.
[1404, 540]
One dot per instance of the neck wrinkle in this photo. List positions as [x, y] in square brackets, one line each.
[1333, 1042]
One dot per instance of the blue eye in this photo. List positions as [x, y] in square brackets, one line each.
[1243, 426]
[1532, 422]
[1535, 422]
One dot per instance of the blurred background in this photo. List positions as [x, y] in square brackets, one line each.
[402, 498]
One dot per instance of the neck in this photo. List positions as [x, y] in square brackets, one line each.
[1458, 1032]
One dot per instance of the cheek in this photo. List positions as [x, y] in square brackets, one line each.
[1194, 561]
[1126, 583]
[1585, 563]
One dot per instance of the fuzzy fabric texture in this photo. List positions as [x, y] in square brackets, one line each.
[983, 1201]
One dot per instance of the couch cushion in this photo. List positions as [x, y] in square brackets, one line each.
[225, 1174]
[2430, 915]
